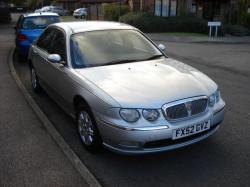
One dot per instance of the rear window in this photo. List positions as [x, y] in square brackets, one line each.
[39, 22]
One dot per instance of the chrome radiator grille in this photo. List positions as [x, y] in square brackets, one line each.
[185, 108]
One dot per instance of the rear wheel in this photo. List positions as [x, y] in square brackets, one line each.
[34, 80]
[87, 129]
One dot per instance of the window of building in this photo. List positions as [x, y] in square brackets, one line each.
[158, 7]
[165, 8]
[194, 7]
[173, 7]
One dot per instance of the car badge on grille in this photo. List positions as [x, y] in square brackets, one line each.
[189, 108]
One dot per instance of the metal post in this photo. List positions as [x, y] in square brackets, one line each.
[216, 31]
[210, 31]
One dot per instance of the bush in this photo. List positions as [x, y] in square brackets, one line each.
[5, 15]
[144, 21]
[148, 22]
[186, 24]
[242, 12]
[236, 30]
[112, 11]
[247, 23]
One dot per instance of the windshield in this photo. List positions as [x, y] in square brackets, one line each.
[98, 48]
[39, 22]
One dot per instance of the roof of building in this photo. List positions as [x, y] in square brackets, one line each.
[88, 1]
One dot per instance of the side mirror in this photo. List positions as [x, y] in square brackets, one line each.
[162, 47]
[55, 58]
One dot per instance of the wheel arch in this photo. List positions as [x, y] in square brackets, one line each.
[77, 100]
[30, 63]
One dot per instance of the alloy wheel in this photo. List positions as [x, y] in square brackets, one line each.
[85, 128]
[33, 78]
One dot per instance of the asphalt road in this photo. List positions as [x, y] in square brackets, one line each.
[28, 154]
[221, 160]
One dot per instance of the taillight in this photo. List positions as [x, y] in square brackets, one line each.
[21, 37]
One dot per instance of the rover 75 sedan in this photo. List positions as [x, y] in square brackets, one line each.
[123, 91]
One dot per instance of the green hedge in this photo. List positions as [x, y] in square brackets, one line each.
[247, 22]
[5, 15]
[236, 30]
[111, 12]
[148, 22]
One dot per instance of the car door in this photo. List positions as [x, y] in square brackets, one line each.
[39, 55]
[57, 73]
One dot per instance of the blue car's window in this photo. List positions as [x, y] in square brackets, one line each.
[39, 22]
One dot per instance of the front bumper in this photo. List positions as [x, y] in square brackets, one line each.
[155, 139]
[78, 14]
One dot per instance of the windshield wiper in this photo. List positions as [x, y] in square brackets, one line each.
[119, 62]
[128, 61]
[154, 57]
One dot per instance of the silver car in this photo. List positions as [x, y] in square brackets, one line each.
[80, 13]
[121, 88]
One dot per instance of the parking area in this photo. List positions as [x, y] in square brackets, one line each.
[223, 159]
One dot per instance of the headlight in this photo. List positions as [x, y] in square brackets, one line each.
[214, 98]
[217, 96]
[150, 114]
[130, 115]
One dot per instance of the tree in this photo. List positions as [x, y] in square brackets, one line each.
[242, 12]
[16, 2]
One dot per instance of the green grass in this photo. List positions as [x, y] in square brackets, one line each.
[70, 19]
[185, 34]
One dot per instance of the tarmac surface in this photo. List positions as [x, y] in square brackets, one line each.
[228, 39]
[221, 160]
[28, 154]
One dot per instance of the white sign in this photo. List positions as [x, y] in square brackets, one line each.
[214, 23]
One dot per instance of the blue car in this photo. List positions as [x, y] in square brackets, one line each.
[29, 27]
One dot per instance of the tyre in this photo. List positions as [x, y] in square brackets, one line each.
[87, 129]
[20, 56]
[34, 80]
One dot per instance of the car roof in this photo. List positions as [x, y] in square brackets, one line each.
[85, 26]
[40, 14]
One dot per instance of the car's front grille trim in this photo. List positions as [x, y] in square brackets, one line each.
[185, 108]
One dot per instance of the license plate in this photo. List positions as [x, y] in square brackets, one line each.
[190, 130]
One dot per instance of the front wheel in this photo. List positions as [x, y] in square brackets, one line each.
[87, 129]
[34, 80]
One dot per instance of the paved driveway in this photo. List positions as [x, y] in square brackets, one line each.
[221, 160]
[28, 154]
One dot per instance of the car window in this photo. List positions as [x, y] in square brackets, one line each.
[39, 22]
[97, 48]
[19, 21]
[45, 39]
[58, 44]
